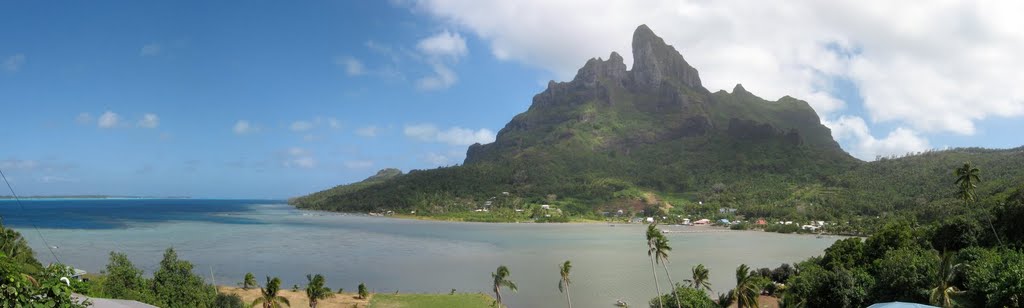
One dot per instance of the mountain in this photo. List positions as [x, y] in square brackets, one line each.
[650, 136]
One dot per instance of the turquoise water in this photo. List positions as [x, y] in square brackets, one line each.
[232, 237]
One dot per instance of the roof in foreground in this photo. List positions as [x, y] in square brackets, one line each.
[900, 305]
[112, 303]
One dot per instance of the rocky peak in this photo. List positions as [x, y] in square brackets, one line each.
[654, 61]
[613, 69]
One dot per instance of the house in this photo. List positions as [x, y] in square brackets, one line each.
[504, 193]
[809, 227]
[788, 223]
[619, 212]
[702, 221]
[545, 206]
[649, 220]
[761, 222]
[726, 210]
[686, 221]
[723, 221]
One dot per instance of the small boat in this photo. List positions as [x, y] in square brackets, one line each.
[621, 303]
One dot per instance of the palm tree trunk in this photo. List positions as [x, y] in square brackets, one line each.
[656, 285]
[497, 295]
[567, 298]
[672, 285]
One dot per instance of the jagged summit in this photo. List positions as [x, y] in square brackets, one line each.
[654, 61]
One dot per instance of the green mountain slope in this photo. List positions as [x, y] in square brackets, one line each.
[654, 136]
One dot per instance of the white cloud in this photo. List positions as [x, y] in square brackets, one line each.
[367, 131]
[14, 63]
[453, 135]
[84, 118]
[151, 49]
[333, 123]
[353, 67]
[444, 44]
[243, 127]
[855, 132]
[437, 159]
[149, 120]
[301, 126]
[18, 164]
[358, 164]
[933, 67]
[442, 78]
[108, 119]
[49, 179]
[297, 157]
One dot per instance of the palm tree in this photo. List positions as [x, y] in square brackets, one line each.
[745, 294]
[268, 296]
[501, 281]
[700, 278]
[249, 281]
[943, 293]
[661, 249]
[563, 283]
[315, 289]
[967, 178]
[725, 300]
[652, 236]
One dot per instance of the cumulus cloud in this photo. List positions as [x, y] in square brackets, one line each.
[151, 49]
[14, 63]
[149, 120]
[333, 123]
[108, 119]
[453, 135]
[443, 44]
[442, 78]
[243, 127]
[353, 67]
[367, 131]
[358, 164]
[855, 132]
[932, 67]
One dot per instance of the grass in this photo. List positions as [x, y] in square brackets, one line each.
[459, 300]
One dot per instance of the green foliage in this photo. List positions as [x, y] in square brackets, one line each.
[846, 253]
[1009, 216]
[18, 289]
[688, 297]
[816, 286]
[316, 289]
[894, 235]
[748, 287]
[993, 277]
[362, 291]
[124, 281]
[16, 248]
[228, 301]
[906, 274]
[177, 286]
[268, 295]
[249, 281]
[956, 233]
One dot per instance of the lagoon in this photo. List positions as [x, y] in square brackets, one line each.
[227, 238]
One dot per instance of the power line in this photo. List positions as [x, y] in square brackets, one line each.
[22, 206]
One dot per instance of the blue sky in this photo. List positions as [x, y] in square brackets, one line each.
[271, 99]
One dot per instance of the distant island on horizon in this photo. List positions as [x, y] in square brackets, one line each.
[93, 197]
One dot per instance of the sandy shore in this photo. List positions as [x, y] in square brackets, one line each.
[298, 298]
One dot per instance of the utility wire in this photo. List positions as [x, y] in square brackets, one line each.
[18, 200]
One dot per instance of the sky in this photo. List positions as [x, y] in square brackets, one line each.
[274, 99]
